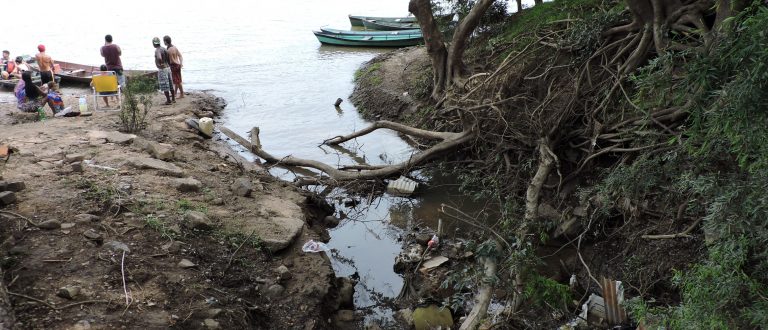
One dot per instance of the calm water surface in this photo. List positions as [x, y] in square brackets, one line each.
[263, 59]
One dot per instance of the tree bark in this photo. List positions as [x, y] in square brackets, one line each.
[448, 66]
[483, 297]
[519, 6]
[538, 2]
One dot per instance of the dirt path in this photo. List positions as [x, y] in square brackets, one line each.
[174, 235]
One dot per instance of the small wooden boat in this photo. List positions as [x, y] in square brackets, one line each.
[388, 26]
[82, 74]
[362, 32]
[362, 40]
[358, 20]
[11, 83]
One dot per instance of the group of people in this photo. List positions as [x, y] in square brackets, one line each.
[32, 97]
[169, 63]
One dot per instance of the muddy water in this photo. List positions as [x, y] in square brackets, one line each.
[263, 59]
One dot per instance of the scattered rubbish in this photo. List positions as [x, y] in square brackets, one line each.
[432, 317]
[433, 242]
[206, 126]
[433, 263]
[67, 112]
[314, 247]
[194, 123]
[600, 311]
[92, 163]
[402, 186]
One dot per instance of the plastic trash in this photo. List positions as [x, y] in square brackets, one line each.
[206, 126]
[433, 242]
[314, 247]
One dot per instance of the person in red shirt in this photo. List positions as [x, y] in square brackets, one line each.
[111, 53]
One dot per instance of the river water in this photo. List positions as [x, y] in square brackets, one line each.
[263, 59]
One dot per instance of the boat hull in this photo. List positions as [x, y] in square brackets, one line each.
[74, 73]
[384, 26]
[368, 41]
[358, 20]
[373, 33]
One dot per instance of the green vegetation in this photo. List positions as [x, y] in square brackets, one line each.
[160, 226]
[137, 101]
[368, 72]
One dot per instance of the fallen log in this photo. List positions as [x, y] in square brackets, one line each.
[448, 141]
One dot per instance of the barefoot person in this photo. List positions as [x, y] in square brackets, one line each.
[8, 65]
[111, 53]
[30, 97]
[176, 64]
[45, 64]
[163, 72]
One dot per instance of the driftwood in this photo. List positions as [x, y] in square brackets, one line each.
[448, 141]
[483, 297]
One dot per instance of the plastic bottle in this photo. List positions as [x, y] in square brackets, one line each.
[83, 104]
[41, 114]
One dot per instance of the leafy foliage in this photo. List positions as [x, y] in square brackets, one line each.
[137, 102]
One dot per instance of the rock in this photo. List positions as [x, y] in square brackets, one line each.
[7, 197]
[423, 239]
[125, 187]
[217, 201]
[242, 187]
[77, 167]
[405, 316]
[156, 164]
[113, 137]
[283, 273]
[211, 324]
[346, 292]
[92, 234]
[432, 263]
[214, 312]
[81, 325]
[49, 225]
[86, 218]
[17, 250]
[432, 317]
[14, 186]
[331, 221]
[186, 184]
[161, 151]
[275, 290]
[67, 225]
[116, 246]
[68, 292]
[197, 220]
[185, 263]
[172, 247]
[345, 315]
[71, 158]
[282, 233]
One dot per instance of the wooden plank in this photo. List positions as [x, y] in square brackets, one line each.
[234, 136]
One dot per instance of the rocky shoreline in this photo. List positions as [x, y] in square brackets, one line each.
[159, 229]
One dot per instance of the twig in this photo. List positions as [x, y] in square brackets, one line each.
[578, 252]
[238, 249]
[125, 288]
[685, 234]
[54, 307]
[19, 216]
[57, 260]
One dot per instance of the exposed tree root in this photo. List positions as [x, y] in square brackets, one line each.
[482, 298]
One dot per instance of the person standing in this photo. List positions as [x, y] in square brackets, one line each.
[176, 60]
[45, 64]
[163, 72]
[111, 53]
[8, 65]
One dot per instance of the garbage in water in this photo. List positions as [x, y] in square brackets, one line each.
[206, 126]
[314, 247]
[433, 263]
[402, 186]
[433, 242]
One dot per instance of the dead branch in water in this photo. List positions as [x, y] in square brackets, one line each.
[449, 141]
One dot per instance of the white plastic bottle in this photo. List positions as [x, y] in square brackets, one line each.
[83, 105]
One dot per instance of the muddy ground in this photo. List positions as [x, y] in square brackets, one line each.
[112, 244]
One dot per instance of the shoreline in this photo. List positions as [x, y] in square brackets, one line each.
[190, 228]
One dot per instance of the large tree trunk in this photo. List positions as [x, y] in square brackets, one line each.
[519, 6]
[448, 66]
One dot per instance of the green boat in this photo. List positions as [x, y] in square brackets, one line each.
[388, 26]
[358, 20]
[351, 32]
[363, 40]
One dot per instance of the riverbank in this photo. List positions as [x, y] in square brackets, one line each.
[158, 229]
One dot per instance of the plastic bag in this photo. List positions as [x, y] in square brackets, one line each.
[314, 247]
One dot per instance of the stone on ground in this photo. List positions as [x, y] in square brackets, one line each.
[49, 225]
[156, 164]
[7, 197]
[242, 187]
[112, 137]
[186, 184]
[197, 220]
[68, 292]
[185, 263]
